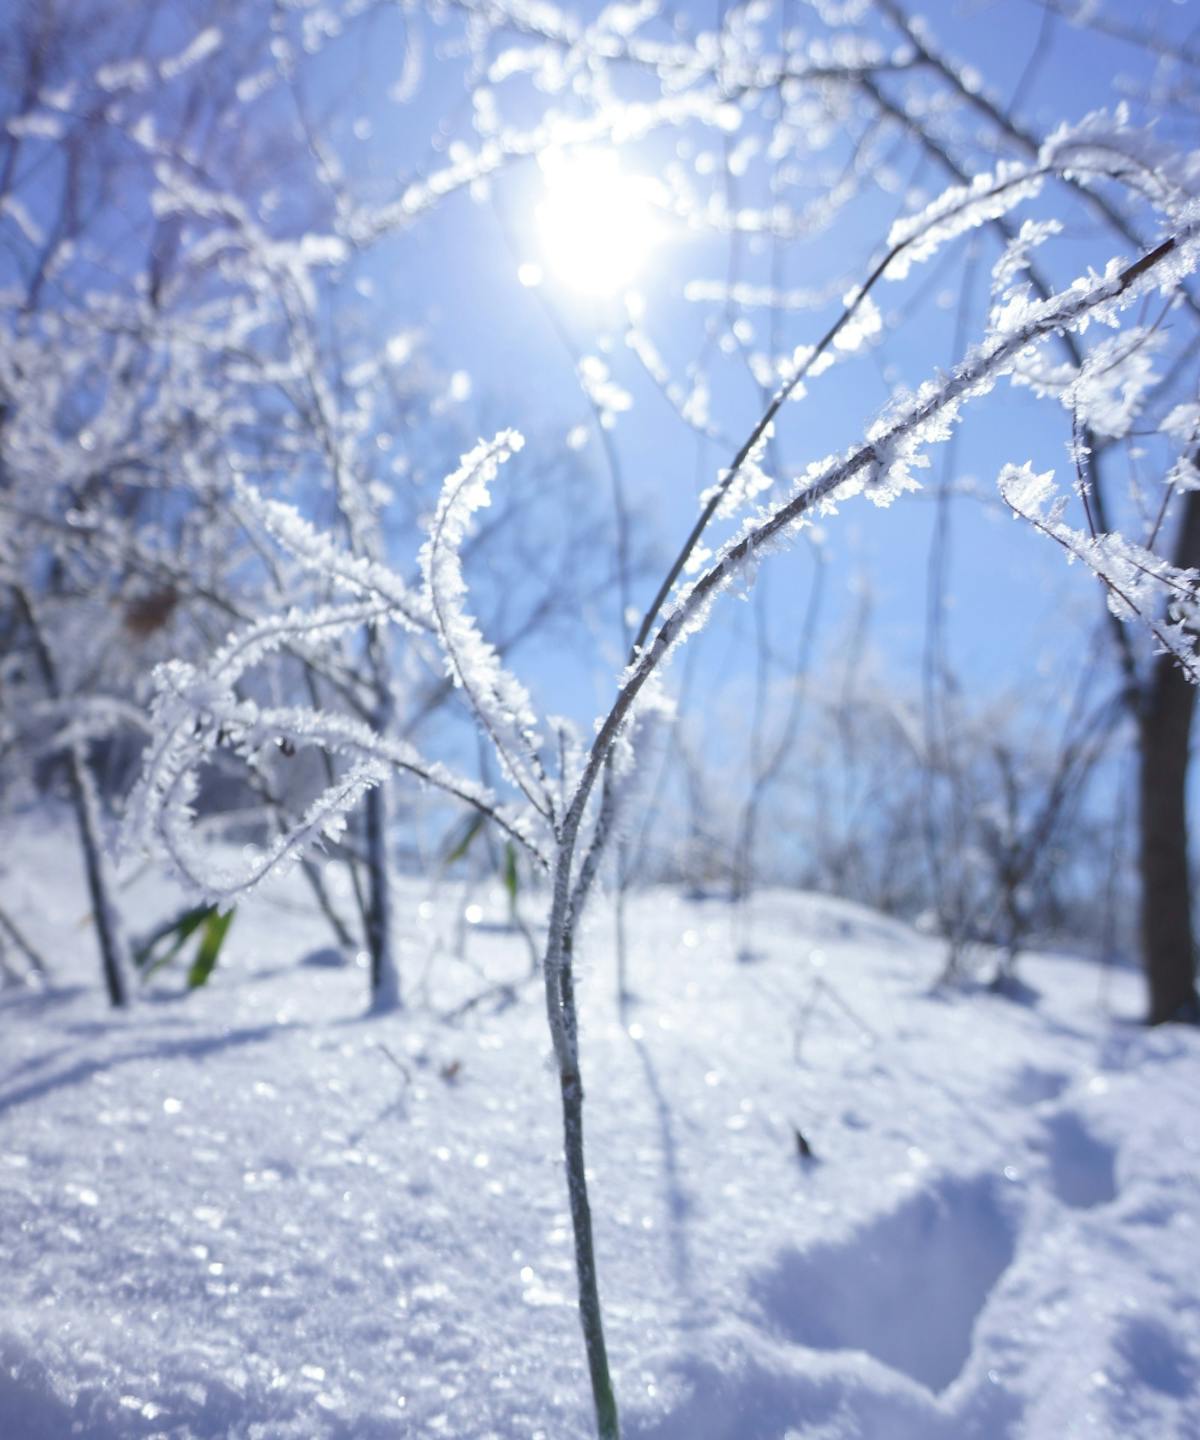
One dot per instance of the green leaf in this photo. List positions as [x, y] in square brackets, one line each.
[180, 928]
[215, 930]
[473, 826]
[512, 880]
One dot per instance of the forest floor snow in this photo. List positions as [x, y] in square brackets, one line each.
[257, 1211]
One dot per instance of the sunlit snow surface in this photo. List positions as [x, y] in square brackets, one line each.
[238, 1215]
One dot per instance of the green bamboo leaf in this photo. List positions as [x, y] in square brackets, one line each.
[512, 880]
[178, 930]
[472, 828]
[211, 941]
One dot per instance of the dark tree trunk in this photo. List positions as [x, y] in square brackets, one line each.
[108, 928]
[113, 954]
[385, 988]
[1168, 705]
[377, 919]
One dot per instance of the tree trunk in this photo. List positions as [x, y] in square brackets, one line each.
[113, 958]
[385, 979]
[1164, 736]
[378, 918]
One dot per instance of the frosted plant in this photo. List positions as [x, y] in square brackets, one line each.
[198, 708]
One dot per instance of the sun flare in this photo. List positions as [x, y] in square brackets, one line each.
[596, 225]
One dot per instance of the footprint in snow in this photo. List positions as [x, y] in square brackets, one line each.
[1082, 1167]
[905, 1289]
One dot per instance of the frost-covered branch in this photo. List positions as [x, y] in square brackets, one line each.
[198, 713]
[912, 240]
[1129, 156]
[1143, 588]
[322, 556]
[499, 700]
[882, 466]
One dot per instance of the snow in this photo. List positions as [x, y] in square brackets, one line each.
[255, 1212]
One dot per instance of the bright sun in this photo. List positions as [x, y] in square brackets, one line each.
[596, 224]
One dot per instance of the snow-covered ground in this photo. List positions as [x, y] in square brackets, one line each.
[251, 1211]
